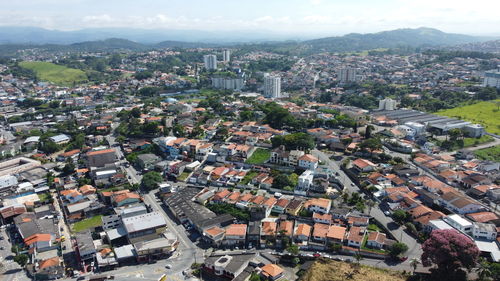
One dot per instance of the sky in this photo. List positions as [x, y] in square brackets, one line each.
[313, 17]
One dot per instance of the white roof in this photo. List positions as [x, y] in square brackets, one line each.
[107, 172]
[459, 220]
[32, 139]
[440, 224]
[123, 252]
[59, 138]
[78, 206]
[116, 233]
[489, 247]
[144, 221]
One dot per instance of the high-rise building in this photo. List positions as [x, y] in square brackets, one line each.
[228, 83]
[272, 86]
[387, 104]
[226, 55]
[210, 62]
[347, 75]
[492, 79]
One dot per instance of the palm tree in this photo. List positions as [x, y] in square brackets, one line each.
[483, 270]
[358, 257]
[414, 263]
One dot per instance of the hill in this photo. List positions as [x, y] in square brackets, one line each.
[389, 39]
[486, 113]
[328, 270]
[57, 74]
[108, 45]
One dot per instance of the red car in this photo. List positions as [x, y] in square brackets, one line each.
[316, 255]
[402, 259]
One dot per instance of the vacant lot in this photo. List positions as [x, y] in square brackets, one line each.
[57, 74]
[326, 270]
[486, 113]
[260, 156]
[87, 223]
[491, 153]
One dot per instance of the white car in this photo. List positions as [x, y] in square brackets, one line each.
[168, 266]
[387, 213]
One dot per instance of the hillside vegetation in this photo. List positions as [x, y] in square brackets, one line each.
[327, 270]
[486, 113]
[57, 74]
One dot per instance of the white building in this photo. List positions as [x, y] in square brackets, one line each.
[305, 182]
[226, 55]
[419, 128]
[492, 79]
[210, 62]
[272, 86]
[486, 231]
[7, 181]
[459, 223]
[387, 104]
[347, 75]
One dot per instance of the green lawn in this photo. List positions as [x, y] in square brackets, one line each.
[374, 227]
[490, 153]
[57, 74]
[248, 177]
[44, 196]
[486, 113]
[87, 223]
[183, 176]
[473, 141]
[260, 156]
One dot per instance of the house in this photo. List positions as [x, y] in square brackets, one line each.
[286, 228]
[279, 156]
[85, 246]
[99, 158]
[484, 231]
[272, 271]
[336, 234]
[320, 205]
[235, 235]
[49, 269]
[354, 220]
[294, 156]
[302, 232]
[308, 162]
[72, 154]
[459, 223]
[227, 266]
[147, 160]
[322, 218]
[376, 240]
[363, 165]
[280, 206]
[460, 204]
[482, 217]
[294, 206]
[320, 232]
[127, 198]
[268, 230]
[356, 236]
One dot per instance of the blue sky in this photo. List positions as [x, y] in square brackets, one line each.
[314, 17]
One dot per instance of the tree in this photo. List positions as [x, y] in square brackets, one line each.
[255, 277]
[150, 180]
[21, 259]
[400, 216]
[414, 263]
[294, 141]
[368, 131]
[397, 249]
[451, 252]
[371, 144]
[293, 249]
[483, 270]
[68, 169]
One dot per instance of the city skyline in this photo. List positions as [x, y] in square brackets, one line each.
[296, 17]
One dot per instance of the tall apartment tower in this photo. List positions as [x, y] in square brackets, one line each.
[210, 62]
[226, 55]
[347, 75]
[272, 86]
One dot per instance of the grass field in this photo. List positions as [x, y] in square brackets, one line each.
[490, 153]
[248, 177]
[486, 113]
[87, 223]
[327, 270]
[260, 156]
[57, 74]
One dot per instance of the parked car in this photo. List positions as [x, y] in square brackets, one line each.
[168, 266]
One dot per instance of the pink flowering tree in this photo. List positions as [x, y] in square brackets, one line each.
[451, 252]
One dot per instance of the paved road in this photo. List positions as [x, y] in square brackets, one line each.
[414, 250]
[11, 271]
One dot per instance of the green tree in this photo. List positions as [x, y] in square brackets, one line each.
[151, 180]
[400, 216]
[397, 249]
[293, 249]
[21, 259]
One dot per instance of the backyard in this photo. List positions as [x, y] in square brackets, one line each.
[486, 113]
[260, 156]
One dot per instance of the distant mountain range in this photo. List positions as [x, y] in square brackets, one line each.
[14, 38]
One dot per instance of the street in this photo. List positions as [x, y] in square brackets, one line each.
[11, 271]
[414, 249]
